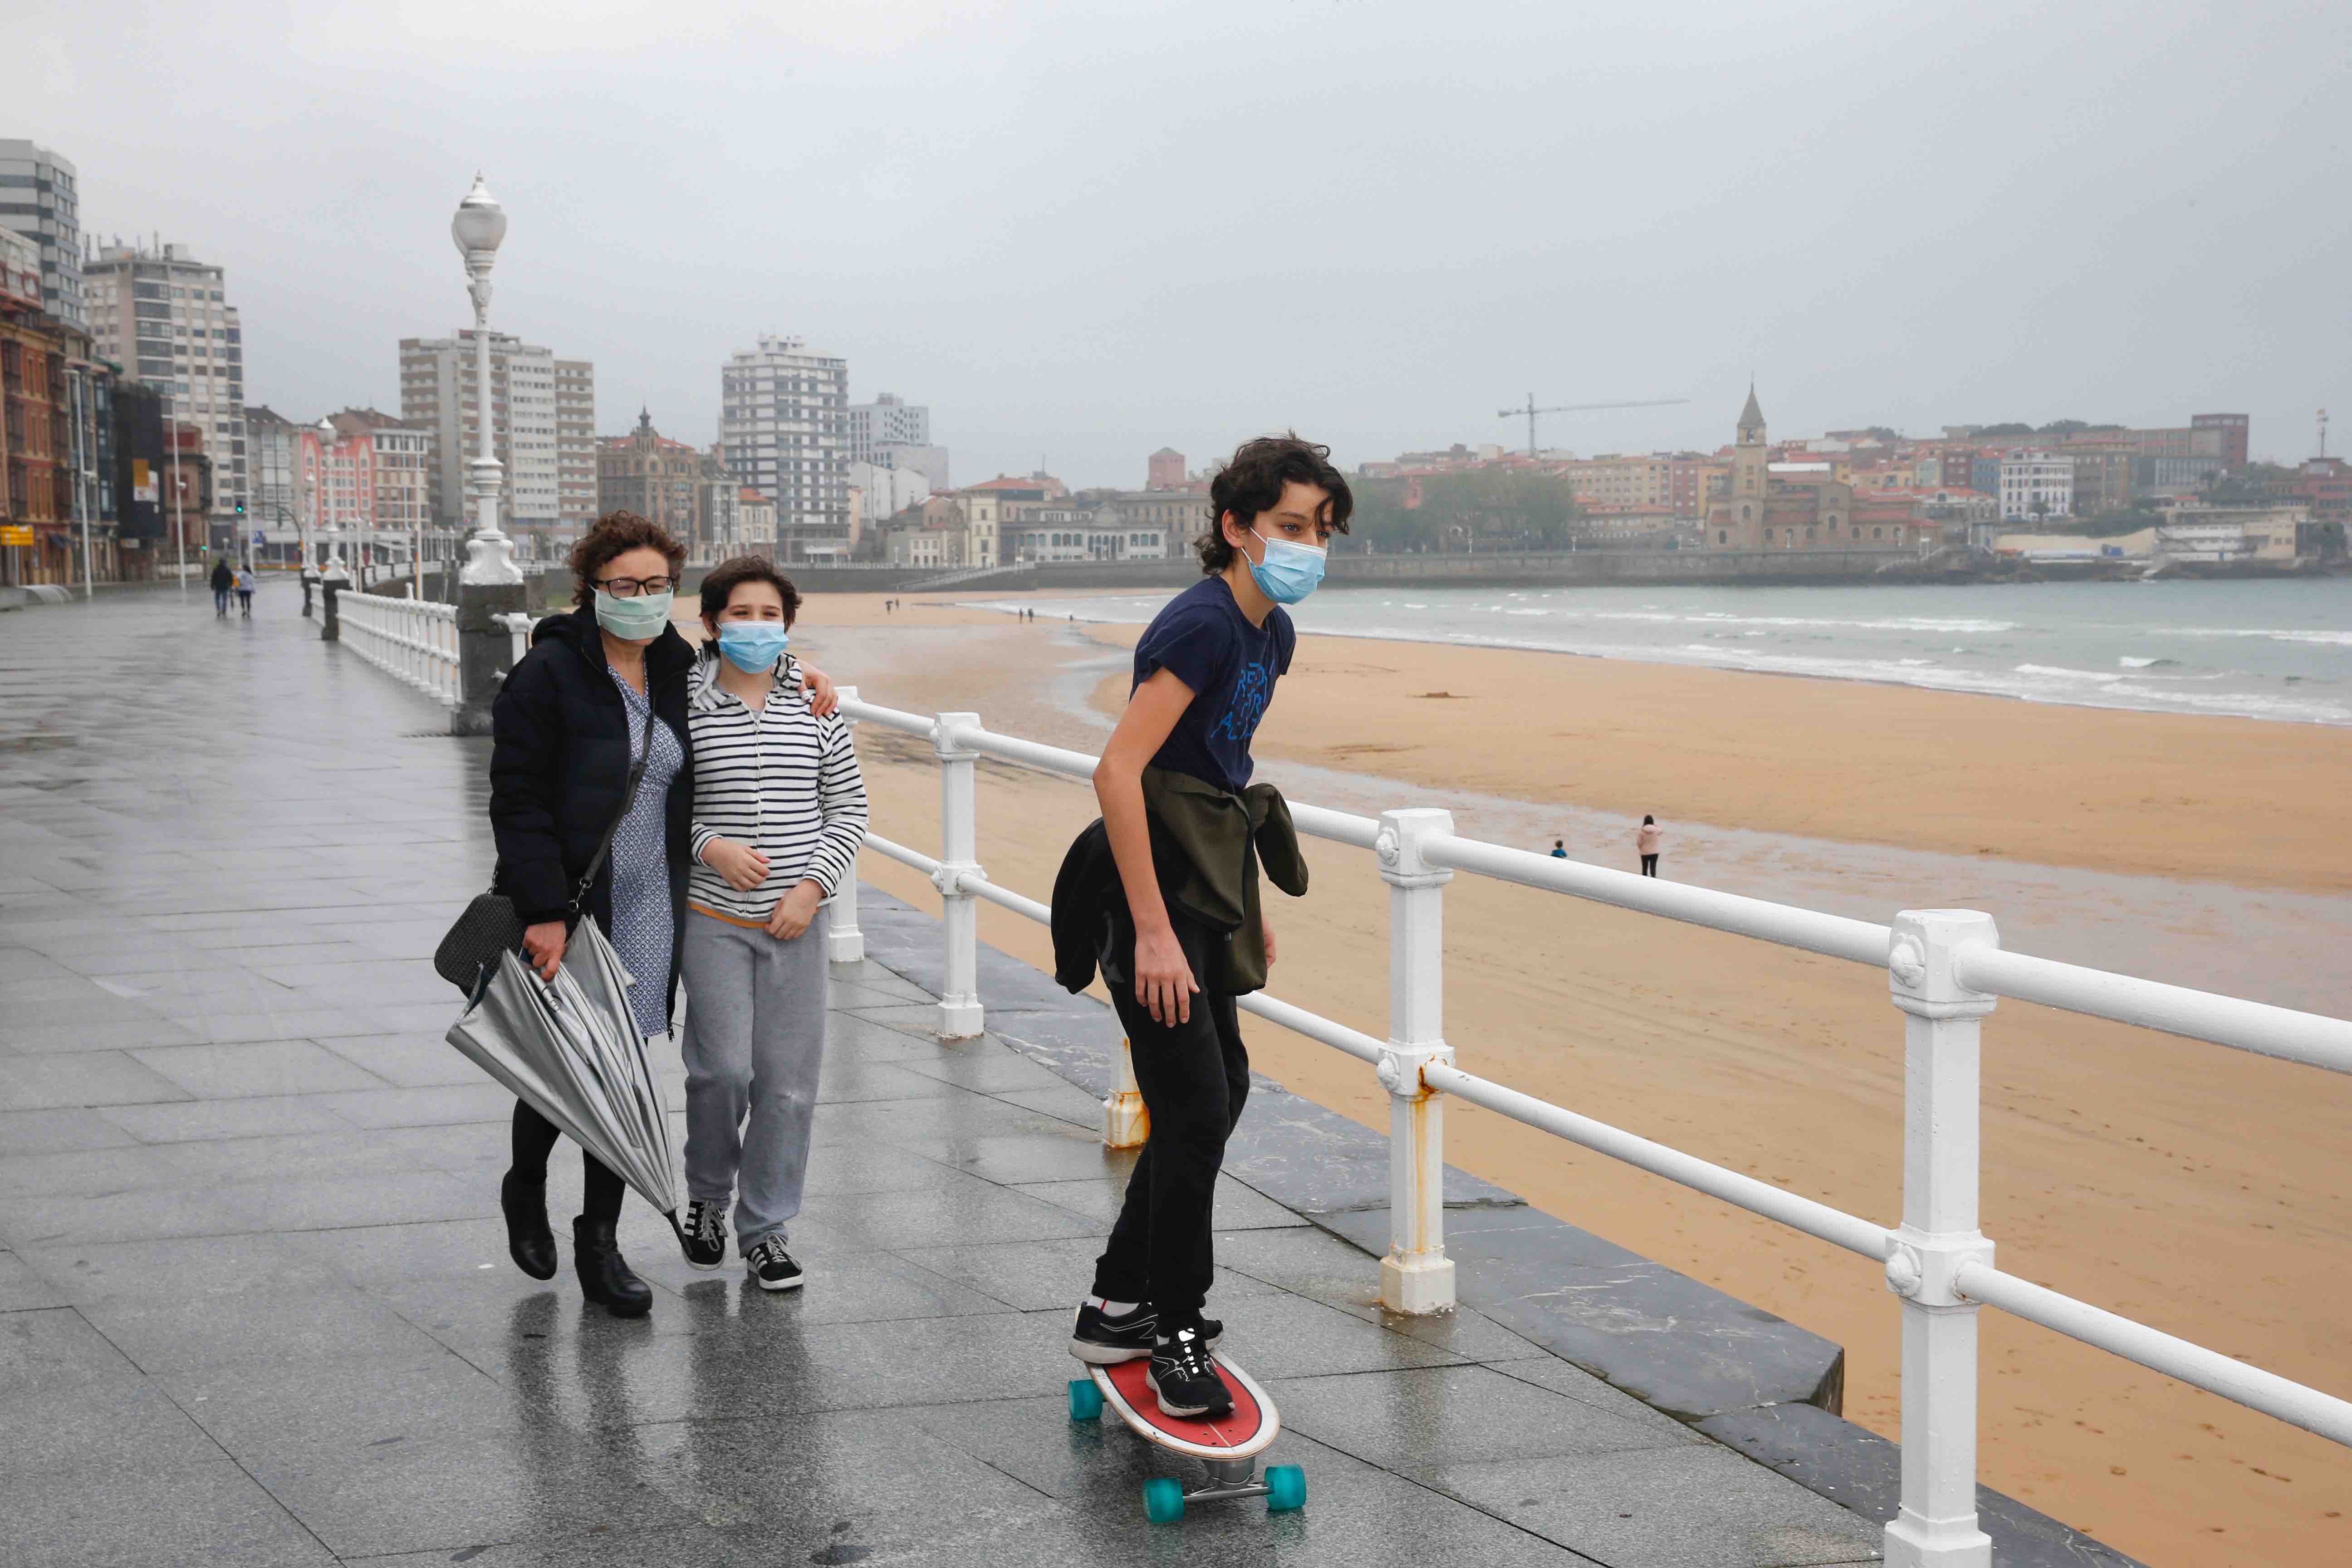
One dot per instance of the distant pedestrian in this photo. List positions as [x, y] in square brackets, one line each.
[1558, 850]
[222, 580]
[244, 590]
[1645, 844]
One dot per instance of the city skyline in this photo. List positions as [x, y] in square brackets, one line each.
[1884, 236]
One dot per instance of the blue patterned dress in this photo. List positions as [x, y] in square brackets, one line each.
[644, 925]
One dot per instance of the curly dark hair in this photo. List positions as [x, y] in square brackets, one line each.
[730, 575]
[1250, 482]
[615, 534]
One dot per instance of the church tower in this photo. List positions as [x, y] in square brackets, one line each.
[1749, 458]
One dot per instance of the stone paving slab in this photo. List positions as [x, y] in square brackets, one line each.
[256, 1308]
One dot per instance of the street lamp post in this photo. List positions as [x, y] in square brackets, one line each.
[490, 585]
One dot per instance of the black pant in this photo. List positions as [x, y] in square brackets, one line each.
[534, 1140]
[1194, 1077]
[1649, 865]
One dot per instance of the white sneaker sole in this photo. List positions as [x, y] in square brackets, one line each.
[1179, 1412]
[1094, 1354]
[794, 1283]
[706, 1268]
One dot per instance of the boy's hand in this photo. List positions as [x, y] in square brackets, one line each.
[1266, 926]
[1163, 981]
[794, 910]
[743, 866]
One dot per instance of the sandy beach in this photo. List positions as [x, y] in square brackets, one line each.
[2198, 1189]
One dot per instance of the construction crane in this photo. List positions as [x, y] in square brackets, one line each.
[1530, 411]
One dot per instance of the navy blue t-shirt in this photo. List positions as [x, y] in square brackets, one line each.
[1202, 637]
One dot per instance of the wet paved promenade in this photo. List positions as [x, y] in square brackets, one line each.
[255, 1303]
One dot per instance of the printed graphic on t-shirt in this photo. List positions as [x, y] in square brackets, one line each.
[1253, 689]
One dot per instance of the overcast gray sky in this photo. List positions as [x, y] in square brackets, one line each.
[1079, 231]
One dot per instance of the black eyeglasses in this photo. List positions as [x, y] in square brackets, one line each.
[630, 587]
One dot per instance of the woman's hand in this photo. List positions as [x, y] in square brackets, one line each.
[1163, 980]
[794, 910]
[822, 699]
[543, 945]
[743, 866]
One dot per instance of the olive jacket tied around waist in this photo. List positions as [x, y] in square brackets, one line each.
[1207, 845]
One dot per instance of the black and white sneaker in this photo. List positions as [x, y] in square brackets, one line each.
[703, 1236]
[773, 1267]
[1184, 1376]
[1100, 1340]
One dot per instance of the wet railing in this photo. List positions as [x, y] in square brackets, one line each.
[415, 639]
[1945, 972]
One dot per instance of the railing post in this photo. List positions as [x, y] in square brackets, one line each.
[1126, 1123]
[484, 649]
[844, 943]
[1416, 1275]
[330, 622]
[1937, 1527]
[959, 1015]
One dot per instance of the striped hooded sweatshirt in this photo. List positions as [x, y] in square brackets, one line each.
[777, 778]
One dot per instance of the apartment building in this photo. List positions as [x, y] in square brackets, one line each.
[783, 430]
[164, 316]
[2035, 485]
[539, 440]
[368, 475]
[40, 198]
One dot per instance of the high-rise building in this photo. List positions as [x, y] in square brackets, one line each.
[532, 432]
[783, 426]
[41, 199]
[888, 420]
[273, 445]
[575, 444]
[163, 317]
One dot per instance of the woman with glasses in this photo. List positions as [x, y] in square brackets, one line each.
[600, 699]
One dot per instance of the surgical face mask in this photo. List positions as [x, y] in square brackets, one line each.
[1290, 572]
[633, 620]
[753, 645]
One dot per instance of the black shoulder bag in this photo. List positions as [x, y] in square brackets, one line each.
[490, 925]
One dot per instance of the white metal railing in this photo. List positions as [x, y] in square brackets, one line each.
[518, 626]
[1944, 971]
[415, 639]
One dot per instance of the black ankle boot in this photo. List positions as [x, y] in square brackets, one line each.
[528, 1240]
[605, 1276]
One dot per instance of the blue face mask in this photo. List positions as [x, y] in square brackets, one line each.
[633, 620]
[753, 645]
[1290, 572]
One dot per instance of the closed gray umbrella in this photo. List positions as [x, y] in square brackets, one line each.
[571, 1050]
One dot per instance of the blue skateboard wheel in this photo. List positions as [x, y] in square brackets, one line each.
[1086, 1400]
[1285, 1489]
[1163, 1499]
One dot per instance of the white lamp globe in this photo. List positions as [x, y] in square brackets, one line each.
[480, 222]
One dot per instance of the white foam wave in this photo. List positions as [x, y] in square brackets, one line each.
[2274, 634]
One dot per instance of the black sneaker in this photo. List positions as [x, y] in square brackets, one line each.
[703, 1236]
[1183, 1376]
[773, 1267]
[1100, 1340]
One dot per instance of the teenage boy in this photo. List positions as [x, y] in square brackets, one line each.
[1205, 673]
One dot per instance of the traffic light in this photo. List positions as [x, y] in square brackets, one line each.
[240, 508]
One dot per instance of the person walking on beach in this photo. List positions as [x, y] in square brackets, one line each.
[1645, 844]
[1182, 934]
[780, 811]
[244, 590]
[222, 580]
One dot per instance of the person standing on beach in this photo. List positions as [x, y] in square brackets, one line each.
[1559, 848]
[1181, 819]
[779, 813]
[1645, 844]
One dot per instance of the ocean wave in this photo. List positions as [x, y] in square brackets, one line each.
[2060, 672]
[2274, 634]
[2130, 662]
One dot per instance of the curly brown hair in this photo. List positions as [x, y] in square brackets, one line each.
[615, 534]
[1251, 482]
[730, 575]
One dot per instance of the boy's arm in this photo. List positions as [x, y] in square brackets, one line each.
[1164, 982]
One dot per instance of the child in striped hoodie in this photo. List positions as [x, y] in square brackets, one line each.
[779, 813]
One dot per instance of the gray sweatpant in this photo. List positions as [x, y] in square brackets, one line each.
[753, 1042]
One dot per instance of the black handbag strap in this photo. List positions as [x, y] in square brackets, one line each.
[636, 777]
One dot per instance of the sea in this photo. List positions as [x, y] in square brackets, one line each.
[2253, 648]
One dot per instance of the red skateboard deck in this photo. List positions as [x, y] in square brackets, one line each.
[1248, 1428]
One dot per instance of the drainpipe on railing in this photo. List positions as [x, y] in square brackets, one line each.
[959, 1017]
[1416, 1275]
[844, 943]
[1937, 1527]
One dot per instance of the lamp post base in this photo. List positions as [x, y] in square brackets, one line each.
[485, 651]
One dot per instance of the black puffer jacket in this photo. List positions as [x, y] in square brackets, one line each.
[560, 768]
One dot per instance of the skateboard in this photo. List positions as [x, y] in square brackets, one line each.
[1228, 1445]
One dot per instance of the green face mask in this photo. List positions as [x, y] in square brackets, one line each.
[633, 620]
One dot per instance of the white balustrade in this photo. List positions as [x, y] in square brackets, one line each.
[415, 640]
[518, 626]
[1944, 969]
